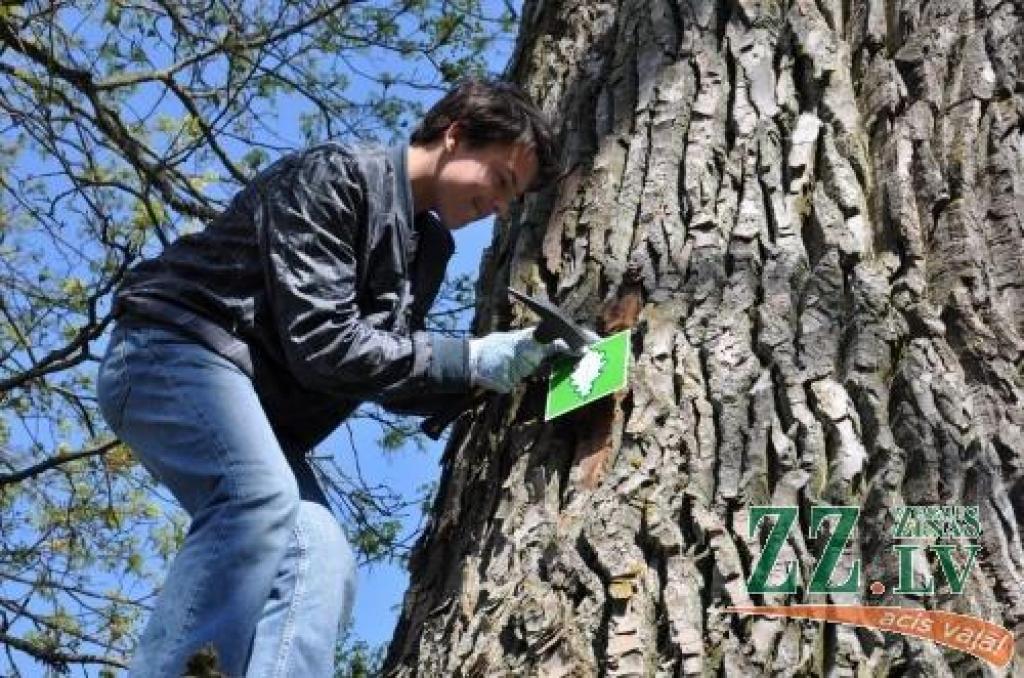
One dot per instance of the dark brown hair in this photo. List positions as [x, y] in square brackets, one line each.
[493, 111]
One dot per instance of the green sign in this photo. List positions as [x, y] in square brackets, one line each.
[576, 382]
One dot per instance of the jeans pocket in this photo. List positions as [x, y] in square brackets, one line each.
[112, 384]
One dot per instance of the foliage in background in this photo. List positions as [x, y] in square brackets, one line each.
[123, 124]
[357, 659]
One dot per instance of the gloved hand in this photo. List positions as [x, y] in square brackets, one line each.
[501, 360]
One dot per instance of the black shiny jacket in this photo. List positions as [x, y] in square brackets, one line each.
[315, 281]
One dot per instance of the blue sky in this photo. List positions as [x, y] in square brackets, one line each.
[382, 586]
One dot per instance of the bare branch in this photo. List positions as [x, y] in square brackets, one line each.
[57, 658]
[54, 462]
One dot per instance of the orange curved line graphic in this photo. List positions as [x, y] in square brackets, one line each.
[985, 640]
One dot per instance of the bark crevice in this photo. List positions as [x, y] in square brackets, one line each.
[812, 209]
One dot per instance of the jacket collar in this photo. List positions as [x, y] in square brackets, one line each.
[426, 222]
[403, 186]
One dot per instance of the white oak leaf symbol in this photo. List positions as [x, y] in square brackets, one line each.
[586, 372]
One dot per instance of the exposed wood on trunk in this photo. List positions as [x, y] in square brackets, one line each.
[823, 203]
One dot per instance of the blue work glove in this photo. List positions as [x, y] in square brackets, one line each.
[501, 360]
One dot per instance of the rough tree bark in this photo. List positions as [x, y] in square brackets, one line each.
[811, 214]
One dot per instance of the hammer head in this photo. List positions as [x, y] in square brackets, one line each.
[554, 324]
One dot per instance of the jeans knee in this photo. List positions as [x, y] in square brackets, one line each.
[262, 519]
[330, 555]
[281, 504]
[327, 542]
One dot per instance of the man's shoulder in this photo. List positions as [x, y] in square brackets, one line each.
[372, 175]
[358, 155]
[368, 164]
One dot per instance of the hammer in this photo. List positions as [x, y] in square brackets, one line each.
[554, 324]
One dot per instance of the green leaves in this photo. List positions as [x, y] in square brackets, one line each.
[373, 541]
[255, 158]
[357, 658]
[74, 291]
[128, 120]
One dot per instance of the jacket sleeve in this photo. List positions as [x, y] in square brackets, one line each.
[311, 217]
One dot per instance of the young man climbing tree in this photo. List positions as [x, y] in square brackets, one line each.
[241, 347]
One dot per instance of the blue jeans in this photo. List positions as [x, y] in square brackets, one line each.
[265, 573]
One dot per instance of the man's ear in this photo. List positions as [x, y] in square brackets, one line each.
[452, 136]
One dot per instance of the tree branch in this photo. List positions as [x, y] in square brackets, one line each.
[63, 358]
[57, 658]
[107, 121]
[54, 462]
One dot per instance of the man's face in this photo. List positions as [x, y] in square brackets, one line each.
[473, 183]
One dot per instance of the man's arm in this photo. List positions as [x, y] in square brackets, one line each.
[310, 221]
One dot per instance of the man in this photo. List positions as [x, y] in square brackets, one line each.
[241, 347]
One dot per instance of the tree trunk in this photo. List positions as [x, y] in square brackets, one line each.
[811, 215]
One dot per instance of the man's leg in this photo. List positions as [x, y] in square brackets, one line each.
[194, 420]
[312, 595]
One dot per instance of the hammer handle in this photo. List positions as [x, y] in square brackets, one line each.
[434, 425]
